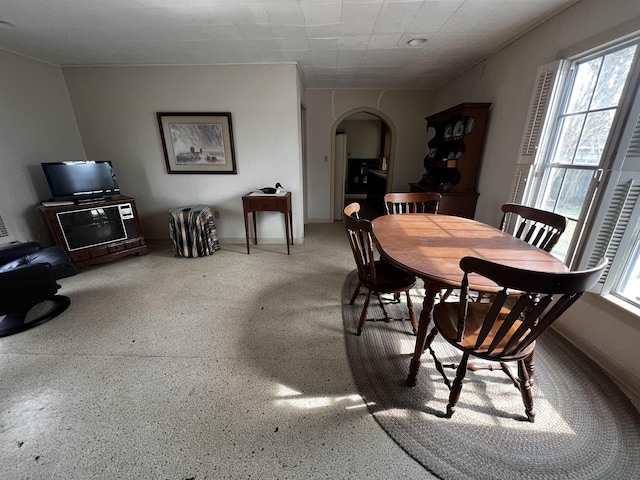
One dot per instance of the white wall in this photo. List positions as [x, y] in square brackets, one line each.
[116, 110]
[363, 138]
[406, 109]
[607, 333]
[36, 125]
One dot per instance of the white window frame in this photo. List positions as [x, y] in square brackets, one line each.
[620, 167]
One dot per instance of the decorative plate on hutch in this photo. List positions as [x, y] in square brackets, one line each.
[458, 130]
[469, 125]
[448, 131]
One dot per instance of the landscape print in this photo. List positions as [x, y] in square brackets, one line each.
[198, 143]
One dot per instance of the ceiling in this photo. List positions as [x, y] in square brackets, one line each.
[336, 43]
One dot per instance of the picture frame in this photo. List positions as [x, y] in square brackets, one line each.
[197, 142]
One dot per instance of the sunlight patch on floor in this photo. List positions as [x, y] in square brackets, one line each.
[548, 419]
[294, 398]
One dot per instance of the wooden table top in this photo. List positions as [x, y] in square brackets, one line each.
[431, 247]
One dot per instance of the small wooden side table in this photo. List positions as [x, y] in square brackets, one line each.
[261, 202]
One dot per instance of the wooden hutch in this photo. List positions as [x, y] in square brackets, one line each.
[453, 159]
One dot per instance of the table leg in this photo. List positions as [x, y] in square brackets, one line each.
[246, 230]
[423, 328]
[291, 225]
[286, 227]
[255, 229]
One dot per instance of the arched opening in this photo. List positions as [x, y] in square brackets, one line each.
[362, 151]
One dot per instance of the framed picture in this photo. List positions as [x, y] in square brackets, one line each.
[196, 142]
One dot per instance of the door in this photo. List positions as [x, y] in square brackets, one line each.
[340, 167]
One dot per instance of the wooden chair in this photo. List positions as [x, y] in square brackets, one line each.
[537, 227]
[504, 330]
[377, 276]
[418, 202]
[415, 202]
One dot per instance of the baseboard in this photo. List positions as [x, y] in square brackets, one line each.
[318, 220]
[263, 241]
[164, 242]
[158, 242]
[627, 382]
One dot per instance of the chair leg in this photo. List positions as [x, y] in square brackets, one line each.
[412, 314]
[525, 390]
[505, 368]
[439, 366]
[530, 364]
[456, 388]
[387, 319]
[430, 337]
[363, 315]
[356, 292]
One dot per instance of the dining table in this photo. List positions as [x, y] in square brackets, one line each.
[430, 246]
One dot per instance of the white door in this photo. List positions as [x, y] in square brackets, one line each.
[340, 166]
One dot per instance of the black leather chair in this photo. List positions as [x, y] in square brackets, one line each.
[28, 275]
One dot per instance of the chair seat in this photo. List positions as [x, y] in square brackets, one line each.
[445, 317]
[390, 279]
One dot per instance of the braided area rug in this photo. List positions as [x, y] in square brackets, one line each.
[585, 427]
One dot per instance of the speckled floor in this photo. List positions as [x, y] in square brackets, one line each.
[227, 366]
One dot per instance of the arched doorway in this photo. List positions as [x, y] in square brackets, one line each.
[362, 153]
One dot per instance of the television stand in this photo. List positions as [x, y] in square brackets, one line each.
[90, 200]
[96, 232]
[56, 203]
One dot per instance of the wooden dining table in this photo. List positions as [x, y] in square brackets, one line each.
[431, 246]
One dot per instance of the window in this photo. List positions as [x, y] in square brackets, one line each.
[580, 157]
[569, 171]
[619, 239]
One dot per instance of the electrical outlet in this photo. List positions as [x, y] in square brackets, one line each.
[216, 213]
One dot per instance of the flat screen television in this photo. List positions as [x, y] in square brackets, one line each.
[80, 180]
